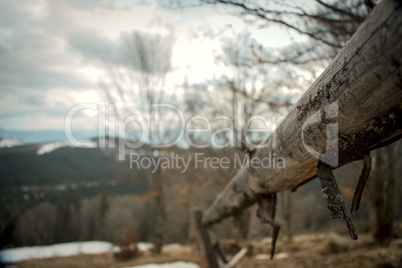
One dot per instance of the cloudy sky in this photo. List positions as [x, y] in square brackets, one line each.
[53, 52]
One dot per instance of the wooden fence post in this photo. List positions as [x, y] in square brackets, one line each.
[206, 240]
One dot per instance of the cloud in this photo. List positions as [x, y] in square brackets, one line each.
[91, 45]
[19, 71]
[52, 53]
[40, 79]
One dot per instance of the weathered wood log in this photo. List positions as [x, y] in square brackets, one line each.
[361, 95]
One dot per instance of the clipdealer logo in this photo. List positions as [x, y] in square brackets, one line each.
[185, 128]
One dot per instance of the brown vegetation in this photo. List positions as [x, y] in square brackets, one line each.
[309, 250]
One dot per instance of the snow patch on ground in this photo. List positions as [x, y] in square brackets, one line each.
[57, 250]
[173, 245]
[262, 257]
[144, 246]
[7, 143]
[282, 255]
[74, 248]
[50, 147]
[179, 264]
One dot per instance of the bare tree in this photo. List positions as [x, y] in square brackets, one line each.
[135, 87]
[327, 25]
[35, 225]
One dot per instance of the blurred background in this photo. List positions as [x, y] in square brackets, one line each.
[209, 58]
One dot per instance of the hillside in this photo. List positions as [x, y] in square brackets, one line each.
[62, 174]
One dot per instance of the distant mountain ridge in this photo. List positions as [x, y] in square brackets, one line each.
[44, 136]
[54, 163]
[57, 171]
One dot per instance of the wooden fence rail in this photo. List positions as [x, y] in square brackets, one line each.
[351, 109]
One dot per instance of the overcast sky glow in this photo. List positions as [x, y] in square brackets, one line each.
[52, 53]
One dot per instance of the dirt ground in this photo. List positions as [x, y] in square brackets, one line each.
[313, 250]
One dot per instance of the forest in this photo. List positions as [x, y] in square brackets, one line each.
[286, 152]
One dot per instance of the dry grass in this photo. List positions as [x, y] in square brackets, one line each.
[184, 253]
[304, 251]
